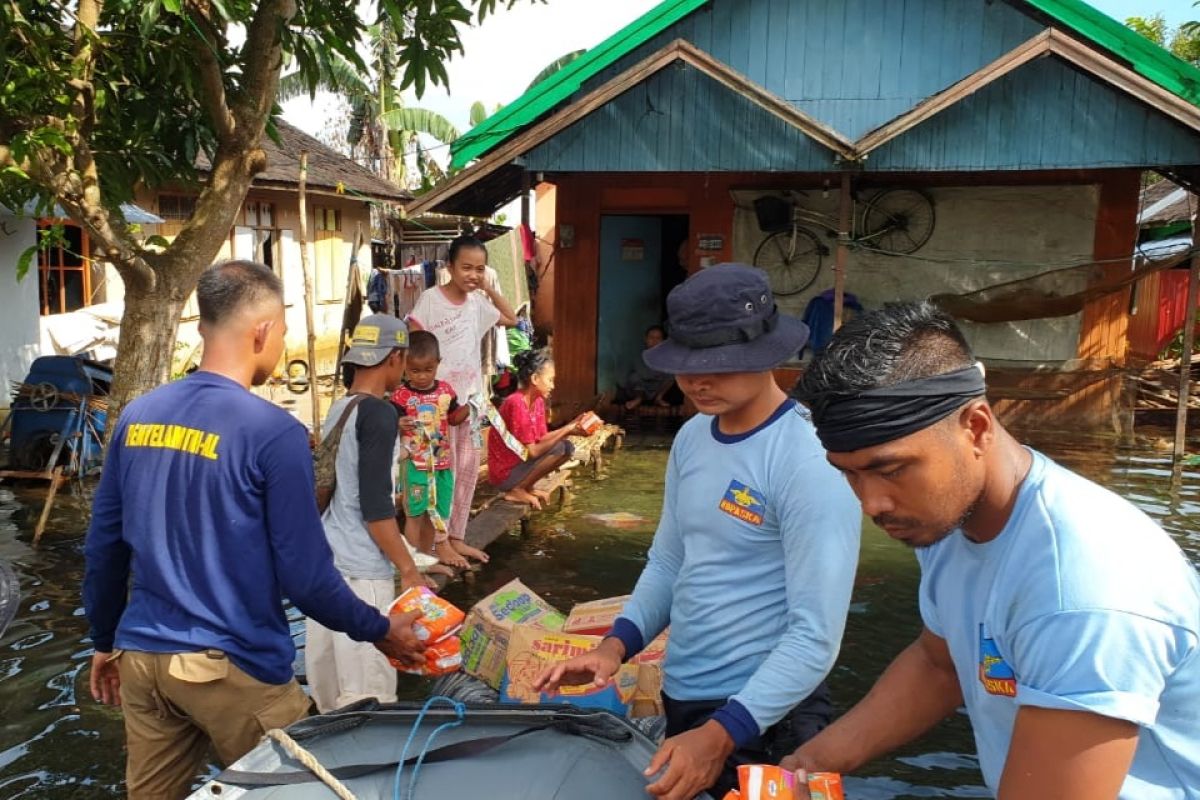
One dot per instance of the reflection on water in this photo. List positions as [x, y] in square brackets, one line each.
[56, 743]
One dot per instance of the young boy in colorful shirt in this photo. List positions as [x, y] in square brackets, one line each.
[428, 407]
[755, 553]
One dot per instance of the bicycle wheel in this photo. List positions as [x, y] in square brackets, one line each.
[897, 221]
[791, 259]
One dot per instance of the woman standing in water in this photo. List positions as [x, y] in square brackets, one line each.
[459, 315]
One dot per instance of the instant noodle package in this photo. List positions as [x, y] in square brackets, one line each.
[439, 623]
[485, 636]
[531, 650]
[762, 782]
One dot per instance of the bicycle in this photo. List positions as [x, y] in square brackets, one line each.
[893, 221]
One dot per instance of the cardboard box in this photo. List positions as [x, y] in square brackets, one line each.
[595, 618]
[531, 650]
[485, 635]
[647, 698]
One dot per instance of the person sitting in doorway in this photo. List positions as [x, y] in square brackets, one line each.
[646, 386]
[524, 416]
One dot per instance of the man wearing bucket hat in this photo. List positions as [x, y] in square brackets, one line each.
[360, 522]
[1062, 617]
[755, 552]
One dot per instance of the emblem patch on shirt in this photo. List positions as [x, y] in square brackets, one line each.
[995, 674]
[744, 503]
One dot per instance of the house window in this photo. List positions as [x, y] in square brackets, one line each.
[328, 219]
[64, 270]
[175, 207]
[263, 242]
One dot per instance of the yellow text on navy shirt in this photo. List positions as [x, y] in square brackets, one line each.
[173, 437]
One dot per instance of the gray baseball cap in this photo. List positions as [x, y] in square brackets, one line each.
[374, 337]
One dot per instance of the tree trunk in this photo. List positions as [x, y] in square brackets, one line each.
[147, 345]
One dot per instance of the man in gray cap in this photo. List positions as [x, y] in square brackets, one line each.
[754, 557]
[360, 522]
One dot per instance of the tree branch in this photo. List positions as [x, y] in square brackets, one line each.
[212, 79]
[263, 63]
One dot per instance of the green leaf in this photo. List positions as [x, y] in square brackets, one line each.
[24, 261]
[554, 66]
[172, 6]
[420, 120]
[478, 113]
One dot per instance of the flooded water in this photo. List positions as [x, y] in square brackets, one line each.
[56, 743]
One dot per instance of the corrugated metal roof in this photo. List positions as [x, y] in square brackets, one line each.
[133, 214]
[1145, 57]
[548, 93]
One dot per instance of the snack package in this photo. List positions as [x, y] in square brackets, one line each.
[595, 618]
[439, 619]
[485, 635]
[441, 658]
[762, 782]
[825, 786]
[590, 423]
[775, 783]
[531, 650]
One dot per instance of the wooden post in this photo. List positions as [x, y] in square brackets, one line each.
[845, 225]
[313, 384]
[56, 480]
[1189, 340]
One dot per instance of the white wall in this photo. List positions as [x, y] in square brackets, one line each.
[1031, 228]
[19, 333]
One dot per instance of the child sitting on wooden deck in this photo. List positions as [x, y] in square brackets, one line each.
[529, 451]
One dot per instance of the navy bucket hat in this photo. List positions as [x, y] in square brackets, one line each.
[724, 319]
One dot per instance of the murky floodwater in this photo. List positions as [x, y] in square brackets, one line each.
[56, 743]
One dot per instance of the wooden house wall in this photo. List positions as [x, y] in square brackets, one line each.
[1160, 311]
[1082, 228]
[853, 64]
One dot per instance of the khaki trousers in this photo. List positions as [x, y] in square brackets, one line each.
[340, 670]
[176, 705]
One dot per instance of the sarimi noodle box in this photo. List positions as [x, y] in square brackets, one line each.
[531, 650]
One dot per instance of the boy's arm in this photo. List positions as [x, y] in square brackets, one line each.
[376, 429]
[458, 412]
[820, 524]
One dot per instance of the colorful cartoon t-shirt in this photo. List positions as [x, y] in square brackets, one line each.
[431, 408]
[1081, 603]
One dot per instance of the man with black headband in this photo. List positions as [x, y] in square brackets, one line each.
[1063, 618]
[754, 556]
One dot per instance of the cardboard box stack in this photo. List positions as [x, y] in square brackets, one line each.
[531, 650]
[486, 634]
[595, 618]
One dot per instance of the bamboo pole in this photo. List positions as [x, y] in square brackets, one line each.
[313, 384]
[1189, 339]
[845, 206]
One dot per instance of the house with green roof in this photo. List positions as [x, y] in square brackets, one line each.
[985, 153]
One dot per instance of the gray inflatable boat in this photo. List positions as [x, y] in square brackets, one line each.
[494, 752]
[10, 596]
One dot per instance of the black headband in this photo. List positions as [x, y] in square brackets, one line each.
[853, 422]
[702, 340]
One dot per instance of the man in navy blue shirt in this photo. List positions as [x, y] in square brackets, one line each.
[205, 518]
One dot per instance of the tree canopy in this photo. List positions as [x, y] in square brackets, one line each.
[101, 97]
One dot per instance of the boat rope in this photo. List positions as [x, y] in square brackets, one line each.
[310, 762]
[460, 712]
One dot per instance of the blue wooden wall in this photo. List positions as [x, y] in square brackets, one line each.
[680, 120]
[854, 65]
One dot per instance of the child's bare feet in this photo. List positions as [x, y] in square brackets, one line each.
[540, 494]
[446, 554]
[465, 549]
[440, 569]
[519, 495]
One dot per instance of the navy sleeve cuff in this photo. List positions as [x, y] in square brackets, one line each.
[629, 635]
[736, 720]
[381, 627]
[103, 644]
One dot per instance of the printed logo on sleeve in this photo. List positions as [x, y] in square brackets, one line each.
[744, 503]
[995, 674]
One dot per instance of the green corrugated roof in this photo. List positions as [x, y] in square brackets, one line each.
[1146, 58]
[564, 83]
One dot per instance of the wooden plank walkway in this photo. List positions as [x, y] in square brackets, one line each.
[494, 516]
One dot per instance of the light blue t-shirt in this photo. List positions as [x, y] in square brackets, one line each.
[752, 566]
[1081, 603]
